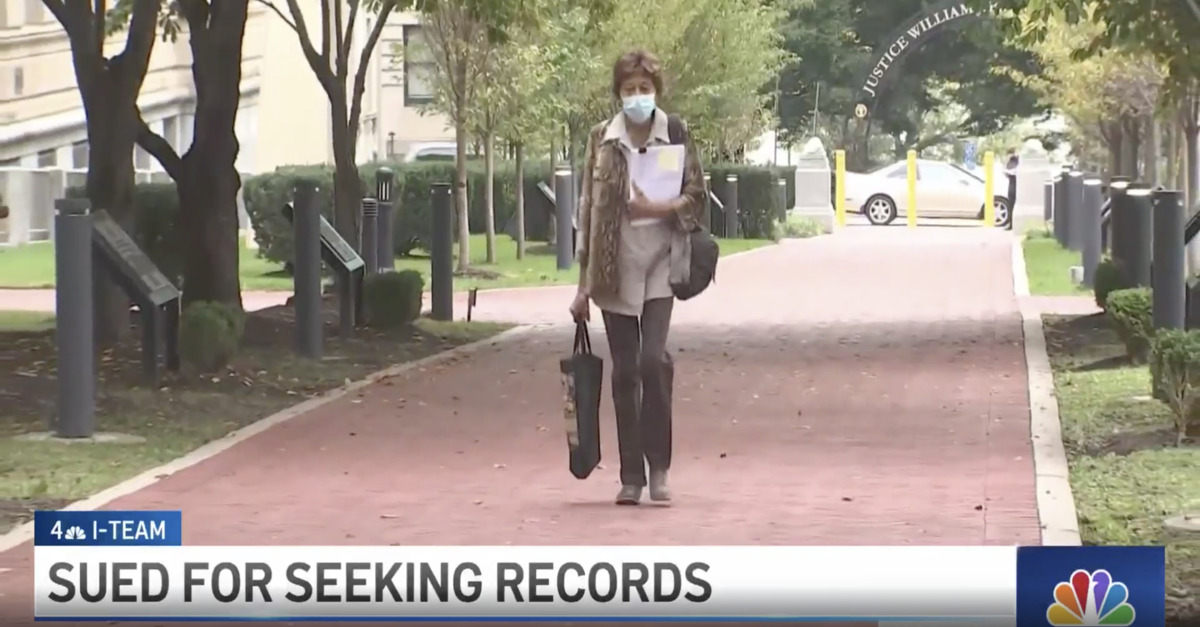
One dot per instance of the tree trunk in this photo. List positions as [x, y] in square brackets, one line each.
[209, 180]
[1190, 127]
[460, 190]
[1171, 139]
[110, 185]
[347, 183]
[489, 193]
[1151, 149]
[519, 149]
[1132, 140]
[1115, 140]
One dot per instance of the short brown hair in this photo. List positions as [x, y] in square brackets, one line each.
[633, 63]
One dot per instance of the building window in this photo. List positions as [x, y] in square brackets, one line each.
[47, 158]
[79, 155]
[419, 67]
[10, 163]
[171, 131]
[141, 159]
[18, 81]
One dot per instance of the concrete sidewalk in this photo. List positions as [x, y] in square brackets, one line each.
[866, 389]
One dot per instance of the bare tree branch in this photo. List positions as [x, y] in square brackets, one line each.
[325, 28]
[364, 62]
[339, 44]
[160, 149]
[100, 14]
[318, 63]
[286, 20]
[348, 42]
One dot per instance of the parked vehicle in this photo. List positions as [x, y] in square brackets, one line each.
[944, 190]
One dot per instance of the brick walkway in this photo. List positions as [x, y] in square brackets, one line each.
[867, 388]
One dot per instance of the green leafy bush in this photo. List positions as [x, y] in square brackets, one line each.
[393, 299]
[1109, 278]
[1175, 358]
[154, 226]
[758, 200]
[1131, 314]
[798, 228]
[208, 335]
[266, 194]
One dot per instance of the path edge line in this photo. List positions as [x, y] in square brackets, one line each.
[24, 532]
[1058, 519]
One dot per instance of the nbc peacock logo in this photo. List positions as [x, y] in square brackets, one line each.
[1091, 599]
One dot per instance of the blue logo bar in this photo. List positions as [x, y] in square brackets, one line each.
[1118, 586]
[62, 528]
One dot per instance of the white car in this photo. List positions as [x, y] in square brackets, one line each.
[430, 151]
[944, 190]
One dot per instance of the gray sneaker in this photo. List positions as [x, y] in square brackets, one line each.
[658, 486]
[629, 495]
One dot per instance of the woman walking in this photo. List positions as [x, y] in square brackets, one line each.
[625, 256]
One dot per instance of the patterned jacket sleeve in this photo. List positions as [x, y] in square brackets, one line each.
[585, 210]
[689, 206]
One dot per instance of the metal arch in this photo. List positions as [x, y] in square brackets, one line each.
[912, 34]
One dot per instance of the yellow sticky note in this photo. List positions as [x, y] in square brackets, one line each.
[668, 160]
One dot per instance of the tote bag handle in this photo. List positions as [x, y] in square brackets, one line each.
[583, 342]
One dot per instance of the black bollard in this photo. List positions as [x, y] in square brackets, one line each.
[306, 274]
[1048, 201]
[1073, 194]
[370, 237]
[1118, 221]
[385, 252]
[563, 189]
[731, 206]
[781, 195]
[1141, 236]
[1170, 261]
[74, 335]
[1060, 204]
[1090, 230]
[441, 260]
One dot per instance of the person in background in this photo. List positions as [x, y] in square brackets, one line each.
[624, 255]
[1010, 172]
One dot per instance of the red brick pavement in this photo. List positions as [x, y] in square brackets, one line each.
[867, 388]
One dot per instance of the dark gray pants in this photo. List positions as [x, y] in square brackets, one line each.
[643, 377]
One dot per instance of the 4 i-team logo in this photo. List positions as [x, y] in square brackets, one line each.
[1091, 599]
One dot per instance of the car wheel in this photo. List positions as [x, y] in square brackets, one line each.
[1001, 211]
[880, 210]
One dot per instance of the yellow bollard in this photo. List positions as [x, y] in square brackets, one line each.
[989, 186]
[839, 203]
[911, 210]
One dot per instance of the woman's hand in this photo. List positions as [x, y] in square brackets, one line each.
[581, 309]
[641, 207]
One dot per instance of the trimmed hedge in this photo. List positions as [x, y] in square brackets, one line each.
[155, 222]
[155, 225]
[266, 194]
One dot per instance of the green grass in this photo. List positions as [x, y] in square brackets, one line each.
[188, 410]
[32, 266]
[1125, 474]
[1048, 266]
[25, 321]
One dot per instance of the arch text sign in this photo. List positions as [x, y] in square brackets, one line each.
[913, 34]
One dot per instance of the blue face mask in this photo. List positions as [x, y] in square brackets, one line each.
[638, 108]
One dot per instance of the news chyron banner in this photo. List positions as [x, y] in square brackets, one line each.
[127, 566]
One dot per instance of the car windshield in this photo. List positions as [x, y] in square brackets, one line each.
[967, 172]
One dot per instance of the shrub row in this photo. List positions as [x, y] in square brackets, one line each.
[155, 222]
[1173, 356]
